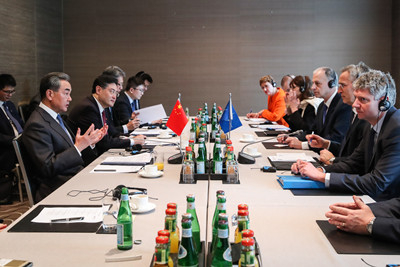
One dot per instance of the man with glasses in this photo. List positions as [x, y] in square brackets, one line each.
[92, 109]
[126, 104]
[11, 125]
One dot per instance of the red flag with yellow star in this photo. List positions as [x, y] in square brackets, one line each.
[177, 120]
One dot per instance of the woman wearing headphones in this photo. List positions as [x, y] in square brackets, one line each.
[276, 102]
[301, 104]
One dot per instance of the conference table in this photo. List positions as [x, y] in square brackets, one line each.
[284, 224]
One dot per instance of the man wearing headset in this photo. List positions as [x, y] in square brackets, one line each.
[373, 168]
[333, 116]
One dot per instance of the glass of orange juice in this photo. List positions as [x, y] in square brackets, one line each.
[159, 160]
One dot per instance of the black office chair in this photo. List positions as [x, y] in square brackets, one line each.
[22, 170]
[23, 111]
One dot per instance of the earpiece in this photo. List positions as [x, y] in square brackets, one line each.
[273, 83]
[304, 86]
[384, 104]
[117, 191]
[331, 83]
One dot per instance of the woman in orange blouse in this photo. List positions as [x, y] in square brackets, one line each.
[276, 102]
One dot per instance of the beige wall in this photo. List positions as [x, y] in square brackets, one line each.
[203, 49]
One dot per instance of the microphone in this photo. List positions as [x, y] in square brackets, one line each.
[244, 158]
[174, 159]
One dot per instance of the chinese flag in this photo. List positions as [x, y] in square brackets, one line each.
[177, 120]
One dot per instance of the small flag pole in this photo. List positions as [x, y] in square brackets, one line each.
[180, 136]
[230, 115]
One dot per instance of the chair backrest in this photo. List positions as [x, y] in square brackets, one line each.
[23, 112]
[20, 152]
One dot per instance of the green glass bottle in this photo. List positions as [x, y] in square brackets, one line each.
[165, 233]
[192, 135]
[215, 216]
[214, 112]
[174, 206]
[243, 224]
[202, 158]
[170, 225]
[217, 159]
[206, 114]
[191, 144]
[188, 167]
[204, 130]
[202, 135]
[232, 168]
[191, 208]
[247, 253]
[124, 222]
[161, 252]
[222, 255]
[214, 127]
[221, 209]
[187, 255]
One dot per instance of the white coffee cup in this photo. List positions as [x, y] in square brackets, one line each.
[150, 169]
[248, 137]
[164, 134]
[139, 201]
[251, 150]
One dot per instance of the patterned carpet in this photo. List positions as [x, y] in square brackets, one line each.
[11, 212]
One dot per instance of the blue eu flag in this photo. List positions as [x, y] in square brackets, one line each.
[229, 115]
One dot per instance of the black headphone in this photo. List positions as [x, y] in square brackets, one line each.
[117, 191]
[273, 83]
[304, 86]
[384, 104]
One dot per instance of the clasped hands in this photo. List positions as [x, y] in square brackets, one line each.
[306, 169]
[90, 137]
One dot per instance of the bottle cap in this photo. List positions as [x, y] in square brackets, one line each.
[190, 197]
[230, 148]
[163, 233]
[204, 124]
[247, 233]
[187, 216]
[172, 205]
[243, 213]
[247, 242]
[188, 148]
[220, 192]
[243, 207]
[170, 211]
[191, 141]
[161, 240]
[229, 142]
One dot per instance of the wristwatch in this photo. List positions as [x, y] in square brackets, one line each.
[331, 160]
[369, 226]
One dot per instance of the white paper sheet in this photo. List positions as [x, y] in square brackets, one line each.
[273, 126]
[291, 157]
[89, 214]
[152, 113]
[115, 169]
[128, 160]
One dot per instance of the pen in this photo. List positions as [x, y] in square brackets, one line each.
[311, 138]
[105, 170]
[68, 219]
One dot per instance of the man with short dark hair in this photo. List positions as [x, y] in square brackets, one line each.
[92, 109]
[373, 167]
[55, 153]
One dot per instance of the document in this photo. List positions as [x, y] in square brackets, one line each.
[70, 215]
[152, 113]
[115, 169]
[291, 157]
[133, 160]
[273, 127]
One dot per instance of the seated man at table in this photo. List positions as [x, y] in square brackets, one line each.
[381, 220]
[55, 153]
[333, 117]
[92, 110]
[373, 168]
[126, 104]
[334, 151]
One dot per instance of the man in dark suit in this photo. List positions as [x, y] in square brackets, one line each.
[373, 168]
[54, 151]
[339, 151]
[126, 105]
[11, 124]
[333, 117]
[381, 220]
[92, 109]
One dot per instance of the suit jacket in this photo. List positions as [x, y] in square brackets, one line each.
[305, 123]
[337, 120]
[53, 157]
[86, 113]
[351, 141]
[7, 153]
[387, 222]
[122, 110]
[379, 177]
[276, 108]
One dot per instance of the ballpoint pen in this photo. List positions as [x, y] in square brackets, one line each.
[68, 219]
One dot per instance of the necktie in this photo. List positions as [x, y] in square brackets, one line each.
[14, 121]
[371, 144]
[103, 117]
[324, 109]
[133, 105]
[63, 126]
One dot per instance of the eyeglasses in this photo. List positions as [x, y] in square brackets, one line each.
[114, 92]
[9, 92]
[141, 90]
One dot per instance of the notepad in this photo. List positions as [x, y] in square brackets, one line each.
[297, 182]
[140, 159]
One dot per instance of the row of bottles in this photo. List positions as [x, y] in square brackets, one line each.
[199, 123]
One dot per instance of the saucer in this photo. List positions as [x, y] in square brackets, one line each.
[247, 140]
[164, 137]
[257, 119]
[255, 155]
[144, 174]
[150, 206]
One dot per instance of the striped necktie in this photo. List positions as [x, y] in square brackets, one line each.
[13, 120]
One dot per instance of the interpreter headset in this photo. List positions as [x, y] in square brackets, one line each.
[117, 191]
[332, 83]
[384, 104]
[304, 86]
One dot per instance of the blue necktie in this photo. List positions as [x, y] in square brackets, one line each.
[63, 126]
[14, 121]
[324, 109]
[133, 105]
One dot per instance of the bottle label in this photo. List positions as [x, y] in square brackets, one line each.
[182, 252]
[247, 258]
[124, 197]
[161, 256]
[223, 233]
[170, 225]
[218, 167]
[243, 225]
[120, 234]
[201, 167]
[227, 255]
[221, 206]
[190, 206]
[186, 232]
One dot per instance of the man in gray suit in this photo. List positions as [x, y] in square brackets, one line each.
[55, 153]
[373, 168]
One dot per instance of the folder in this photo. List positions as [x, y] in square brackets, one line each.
[297, 182]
